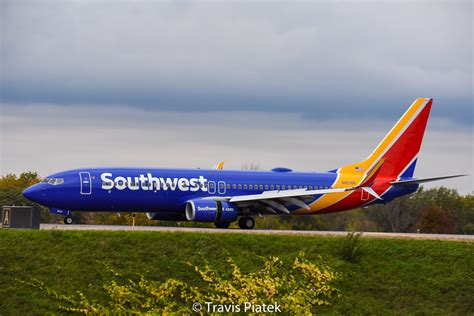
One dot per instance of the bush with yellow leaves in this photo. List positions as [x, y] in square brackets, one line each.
[299, 287]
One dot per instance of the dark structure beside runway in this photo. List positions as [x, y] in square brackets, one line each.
[20, 217]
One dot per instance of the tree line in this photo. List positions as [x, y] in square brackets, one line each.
[436, 210]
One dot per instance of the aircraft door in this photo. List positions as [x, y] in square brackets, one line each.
[221, 187]
[211, 187]
[86, 183]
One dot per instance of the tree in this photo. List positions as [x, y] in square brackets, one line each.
[11, 189]
[397, 216]
[434, 220]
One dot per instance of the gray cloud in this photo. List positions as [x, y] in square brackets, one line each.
[307, 85]
[50, 138]
[320, 59]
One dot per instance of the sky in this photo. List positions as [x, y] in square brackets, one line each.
[306, 85]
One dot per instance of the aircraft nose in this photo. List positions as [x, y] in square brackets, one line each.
[33, 193]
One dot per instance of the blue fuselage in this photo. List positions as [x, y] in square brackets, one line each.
[166, 190]
[76, 193]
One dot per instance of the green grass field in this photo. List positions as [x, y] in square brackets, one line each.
[394, 276]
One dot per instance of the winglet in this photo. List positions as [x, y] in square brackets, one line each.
[219, 165]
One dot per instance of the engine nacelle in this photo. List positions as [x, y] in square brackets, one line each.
[201, 210]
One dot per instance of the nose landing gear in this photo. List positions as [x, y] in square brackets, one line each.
[68, 220]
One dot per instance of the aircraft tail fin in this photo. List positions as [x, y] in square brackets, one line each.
[396, 155]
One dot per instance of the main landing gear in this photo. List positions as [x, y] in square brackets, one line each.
[68, 220]
[246, 222]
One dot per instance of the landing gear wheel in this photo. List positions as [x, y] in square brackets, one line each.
[246, 222]
[68, 220]
[222, 225]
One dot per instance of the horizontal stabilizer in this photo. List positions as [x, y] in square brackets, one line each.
[417, 181]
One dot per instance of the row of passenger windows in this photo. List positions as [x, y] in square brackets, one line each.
[271, 187]
[246, 186]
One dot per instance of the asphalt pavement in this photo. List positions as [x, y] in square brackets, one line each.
[467, 238]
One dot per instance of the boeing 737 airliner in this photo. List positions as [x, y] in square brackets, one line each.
[224, 196]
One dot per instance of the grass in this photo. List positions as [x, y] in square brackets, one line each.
[393, 276]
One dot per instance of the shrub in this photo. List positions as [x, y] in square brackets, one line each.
[298, 288]
[350, 248]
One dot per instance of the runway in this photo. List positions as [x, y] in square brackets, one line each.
[465, 238]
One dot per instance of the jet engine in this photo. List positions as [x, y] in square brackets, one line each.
[200, 210]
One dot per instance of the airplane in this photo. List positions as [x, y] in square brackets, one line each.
[224, 196]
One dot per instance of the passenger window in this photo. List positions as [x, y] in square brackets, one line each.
[261, 186]
[240, 186]
[228, 186]
[250, 186]
[278, 187]
[245, 186]
[234, 186]
[272, 187]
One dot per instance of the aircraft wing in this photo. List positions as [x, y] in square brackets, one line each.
[282, 194]
[278, 201]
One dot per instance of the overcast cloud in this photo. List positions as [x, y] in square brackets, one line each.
[308, 85]
[50, 138]
[323, 59]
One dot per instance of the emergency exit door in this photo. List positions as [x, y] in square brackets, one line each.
[86, 183]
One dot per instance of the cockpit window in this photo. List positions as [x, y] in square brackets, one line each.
[53, 181]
